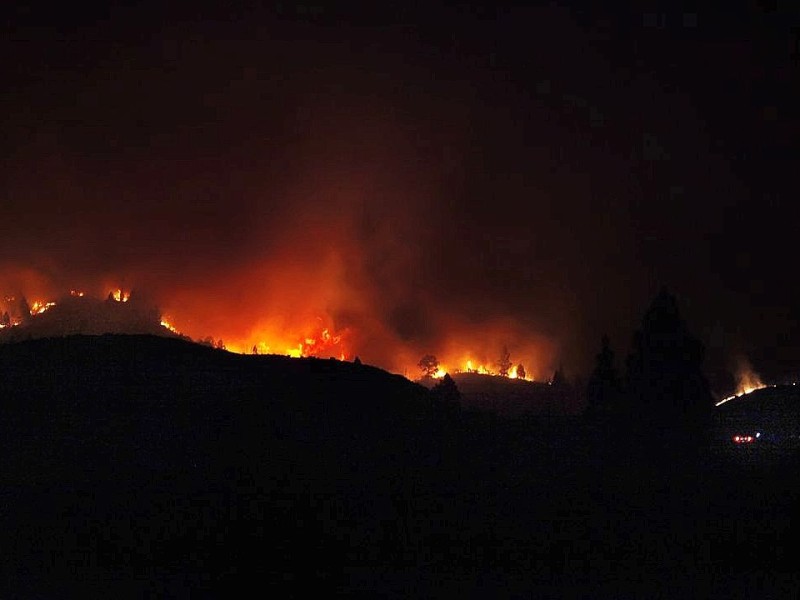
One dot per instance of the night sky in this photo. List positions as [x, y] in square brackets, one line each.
[424, 178]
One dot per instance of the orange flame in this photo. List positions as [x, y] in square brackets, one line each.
[300, 320]
[747, 380]
[167, 325]
[470, 366]
[316, 339]
[38, 307]
[119, 295]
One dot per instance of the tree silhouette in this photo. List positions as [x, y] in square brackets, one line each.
[429, 364]
[520, 371]
[605, 385]
[667, 391]
[558, 377]
[504, 364]
[5, 320]
[446, 391]
[24, 309]
[357, 361]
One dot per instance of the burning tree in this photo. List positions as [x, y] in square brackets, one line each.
[504, 364]
[520, 371]
[429, 364]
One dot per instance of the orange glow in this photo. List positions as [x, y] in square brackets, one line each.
[167, 325]
[38, 307]
[315, 339]
[440, 372]
[303, 335]
[120, 295]
[747, 381]
[470, 366]
[310, 304]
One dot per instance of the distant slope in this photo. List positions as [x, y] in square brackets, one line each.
[73, 315]
[512, 397]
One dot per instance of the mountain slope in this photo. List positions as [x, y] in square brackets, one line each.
[138, 461]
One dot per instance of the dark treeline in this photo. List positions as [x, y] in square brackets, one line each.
[662, 400]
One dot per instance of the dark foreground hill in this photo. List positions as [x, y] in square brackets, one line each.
[136, 465]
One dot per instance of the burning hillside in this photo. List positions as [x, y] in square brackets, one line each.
[78, 313]
[465, 348]
[747, 380]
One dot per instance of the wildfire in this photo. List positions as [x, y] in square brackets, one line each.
[7, 319]
[470, 366]
[747, 381]
[318, 341]
[440, 372]
[119, 295]
[300, 334]
[167, 325]
[38, 307]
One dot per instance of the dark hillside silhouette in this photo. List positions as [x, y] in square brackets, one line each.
[138, 466]
[150, 463]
